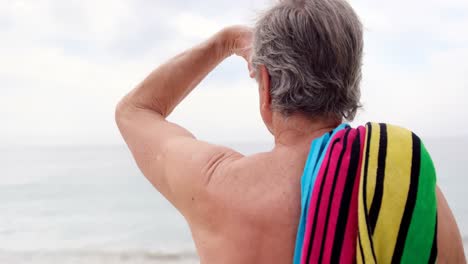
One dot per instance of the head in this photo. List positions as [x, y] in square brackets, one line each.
[307, 60]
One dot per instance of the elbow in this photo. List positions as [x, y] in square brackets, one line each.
[127, 112]
[122, 112]
[128, 106]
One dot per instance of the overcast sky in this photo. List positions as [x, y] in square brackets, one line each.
[65, 64]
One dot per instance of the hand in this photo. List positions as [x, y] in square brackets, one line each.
[238, 41]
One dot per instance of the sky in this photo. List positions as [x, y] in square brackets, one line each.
[64, 65]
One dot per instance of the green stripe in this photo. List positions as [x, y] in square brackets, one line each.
[423, 225]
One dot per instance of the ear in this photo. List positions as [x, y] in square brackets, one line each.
[264, 87]
[265, 97]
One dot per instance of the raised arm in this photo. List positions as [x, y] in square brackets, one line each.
[177, 164]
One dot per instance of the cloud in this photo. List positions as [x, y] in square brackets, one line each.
[415, 57]
[66, 64]
[201, 26]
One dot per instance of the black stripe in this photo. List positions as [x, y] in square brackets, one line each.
[317, 207]
[346, 199]
[332, 193]
[360, 247]
[364, 189]
[379, 181]
[410, 202]
[433, 257]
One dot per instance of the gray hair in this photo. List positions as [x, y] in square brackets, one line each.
[313, 52]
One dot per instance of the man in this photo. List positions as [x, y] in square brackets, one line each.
[306, 58]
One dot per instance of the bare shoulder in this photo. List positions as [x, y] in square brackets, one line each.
[250, 184]
[249, 175]
[235, 180]
[449, 241]
[251, 206]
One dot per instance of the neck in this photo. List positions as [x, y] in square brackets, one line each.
[298, 129]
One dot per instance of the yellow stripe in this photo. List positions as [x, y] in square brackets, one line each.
[362, 226]
[396, 185]
[373, 159]
[358, 252]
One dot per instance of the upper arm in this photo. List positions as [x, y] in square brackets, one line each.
[177, 164]
[449, 241]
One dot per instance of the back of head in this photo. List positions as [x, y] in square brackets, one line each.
[313, 52]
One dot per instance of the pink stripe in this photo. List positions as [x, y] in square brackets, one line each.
[348, 253]
[336, 199]
[333, 159]
[321, 218]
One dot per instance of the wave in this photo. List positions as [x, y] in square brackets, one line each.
[97, 256]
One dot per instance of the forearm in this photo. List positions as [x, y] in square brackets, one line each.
[171, 82]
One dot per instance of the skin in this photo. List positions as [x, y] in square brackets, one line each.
[240, 209]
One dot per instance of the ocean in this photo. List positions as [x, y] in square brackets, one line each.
[90, 204]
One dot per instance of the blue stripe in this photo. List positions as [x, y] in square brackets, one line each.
[311, 169]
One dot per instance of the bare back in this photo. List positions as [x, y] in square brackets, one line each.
[252, 211]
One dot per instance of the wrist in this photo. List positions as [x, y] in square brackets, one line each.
[224, 42]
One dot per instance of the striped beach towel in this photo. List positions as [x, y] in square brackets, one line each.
[368, 196]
